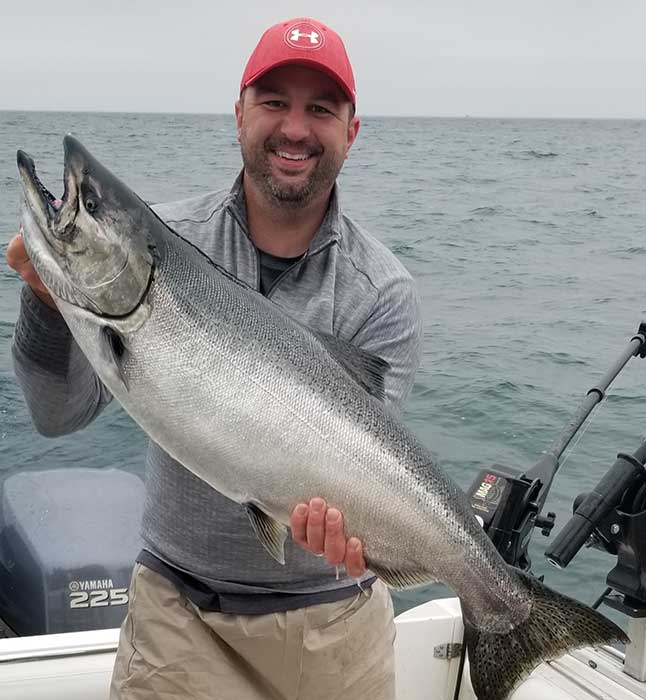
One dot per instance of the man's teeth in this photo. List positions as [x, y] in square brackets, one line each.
[293, 156]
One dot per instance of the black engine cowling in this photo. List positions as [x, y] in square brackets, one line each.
[68, 541]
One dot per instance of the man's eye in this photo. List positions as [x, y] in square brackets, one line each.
[274, 104]
[319, 109]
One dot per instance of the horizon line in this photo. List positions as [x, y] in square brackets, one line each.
[361, 116]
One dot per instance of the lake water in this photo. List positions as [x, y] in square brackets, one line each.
[527, 240]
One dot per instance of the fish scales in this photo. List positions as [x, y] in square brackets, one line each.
[271, 414]
[291, 411]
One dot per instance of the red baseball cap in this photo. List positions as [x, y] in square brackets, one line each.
[304, 41]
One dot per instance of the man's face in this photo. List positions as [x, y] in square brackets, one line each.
[295, 127]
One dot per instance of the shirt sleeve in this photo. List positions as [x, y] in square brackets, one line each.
[393, 332]
[62, 391]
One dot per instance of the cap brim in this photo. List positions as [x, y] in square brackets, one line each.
[309, 63]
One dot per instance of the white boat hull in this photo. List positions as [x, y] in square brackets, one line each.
[586, 674]
[78, 665]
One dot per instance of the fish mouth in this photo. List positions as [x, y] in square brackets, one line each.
[34, 184]
[86, 247]
[54, 216]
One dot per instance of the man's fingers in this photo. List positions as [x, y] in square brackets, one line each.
[18, 259]
[355, 564]
[320, 530]
[316, 525]
[17, 256]
[334, 547]
[30, 276]
[298, 524]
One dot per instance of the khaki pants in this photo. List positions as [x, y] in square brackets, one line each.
[170, 649]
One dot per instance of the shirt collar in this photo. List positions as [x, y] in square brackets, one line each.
[329, 231]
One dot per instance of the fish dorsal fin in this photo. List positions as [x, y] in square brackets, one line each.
[366, 369]
[269, 531]
[400, 578]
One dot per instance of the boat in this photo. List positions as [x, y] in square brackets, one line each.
[65, 564]
[78, 665]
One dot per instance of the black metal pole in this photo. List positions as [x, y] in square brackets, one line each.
[594, 396]
[547, 466]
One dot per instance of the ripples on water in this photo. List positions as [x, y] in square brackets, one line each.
[527, 239]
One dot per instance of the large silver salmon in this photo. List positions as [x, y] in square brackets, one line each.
[271, 414]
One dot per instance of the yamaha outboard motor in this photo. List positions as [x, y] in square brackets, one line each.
[68, 542]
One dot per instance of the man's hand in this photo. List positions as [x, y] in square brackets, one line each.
[319, 529]
[18, 259]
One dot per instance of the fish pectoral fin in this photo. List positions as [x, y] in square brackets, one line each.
[114, 354]
[400, 578]
[366, 369]
[269, 531]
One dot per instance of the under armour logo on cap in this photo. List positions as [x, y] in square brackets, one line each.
[304, 36]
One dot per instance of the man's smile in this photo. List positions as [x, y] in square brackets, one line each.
[293, 156]
[292, 161]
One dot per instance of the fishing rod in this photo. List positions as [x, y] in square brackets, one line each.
[508, 502]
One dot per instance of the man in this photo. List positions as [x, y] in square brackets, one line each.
[210, 614]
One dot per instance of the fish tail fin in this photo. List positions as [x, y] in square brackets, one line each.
[498, 662]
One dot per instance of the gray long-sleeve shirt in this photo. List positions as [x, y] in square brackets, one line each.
[348, 284]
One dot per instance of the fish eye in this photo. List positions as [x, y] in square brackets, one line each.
[90, 199]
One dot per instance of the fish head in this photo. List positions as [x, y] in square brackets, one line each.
[95, 249]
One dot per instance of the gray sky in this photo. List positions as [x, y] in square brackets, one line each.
[561, 58]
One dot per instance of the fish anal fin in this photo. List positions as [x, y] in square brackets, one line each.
[400, 578]
[269, 531]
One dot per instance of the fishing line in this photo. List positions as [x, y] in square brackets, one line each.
[601, 598]
[601, 408]
[582, 432]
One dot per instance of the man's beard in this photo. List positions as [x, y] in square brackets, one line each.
[296, 195]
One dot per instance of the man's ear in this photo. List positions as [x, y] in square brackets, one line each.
[353, 130]
[238, 113]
